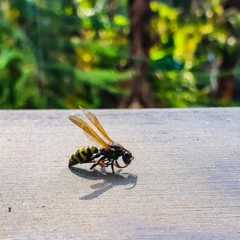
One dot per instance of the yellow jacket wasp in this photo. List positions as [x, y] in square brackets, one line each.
[108, 152]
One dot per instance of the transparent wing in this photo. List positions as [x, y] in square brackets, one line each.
[96, 123]
[89, 132]
[93, 140]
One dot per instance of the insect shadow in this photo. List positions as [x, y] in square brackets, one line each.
[110, 181]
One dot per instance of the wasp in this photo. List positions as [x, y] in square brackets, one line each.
[105, 153]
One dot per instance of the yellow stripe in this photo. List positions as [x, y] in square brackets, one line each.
[92, 150]
[80, 151]
[86, 149]
[74, 157]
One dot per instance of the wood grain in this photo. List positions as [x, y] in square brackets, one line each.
[183, 184]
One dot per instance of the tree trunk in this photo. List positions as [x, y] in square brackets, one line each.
[140, 42]
[225, 86]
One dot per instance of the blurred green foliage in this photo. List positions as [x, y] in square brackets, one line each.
[189, 45]
[63, 53]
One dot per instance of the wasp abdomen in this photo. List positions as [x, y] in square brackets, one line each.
[83, 155]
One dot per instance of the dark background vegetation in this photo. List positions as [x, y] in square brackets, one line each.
[119, 53]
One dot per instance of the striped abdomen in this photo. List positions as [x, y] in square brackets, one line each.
[82, 155]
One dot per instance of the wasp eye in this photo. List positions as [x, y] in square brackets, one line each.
[126, 158]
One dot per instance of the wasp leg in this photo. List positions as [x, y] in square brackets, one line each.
[112, 166]
[107, 163]
[95, 156]
[95, 164]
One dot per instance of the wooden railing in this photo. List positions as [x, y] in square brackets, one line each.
[184, 182]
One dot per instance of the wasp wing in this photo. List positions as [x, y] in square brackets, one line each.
[96, 123]
[90, 133]
[93, 140]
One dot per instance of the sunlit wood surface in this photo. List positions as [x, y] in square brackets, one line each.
[183, 184]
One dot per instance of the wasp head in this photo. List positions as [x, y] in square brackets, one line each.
[127, 157]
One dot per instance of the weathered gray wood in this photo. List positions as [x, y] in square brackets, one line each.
[184, 182]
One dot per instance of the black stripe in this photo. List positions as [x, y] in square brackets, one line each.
[72, 161]
[95, 150]
[84, 152]
[79, 157]
[89, 152]
[77, 154]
